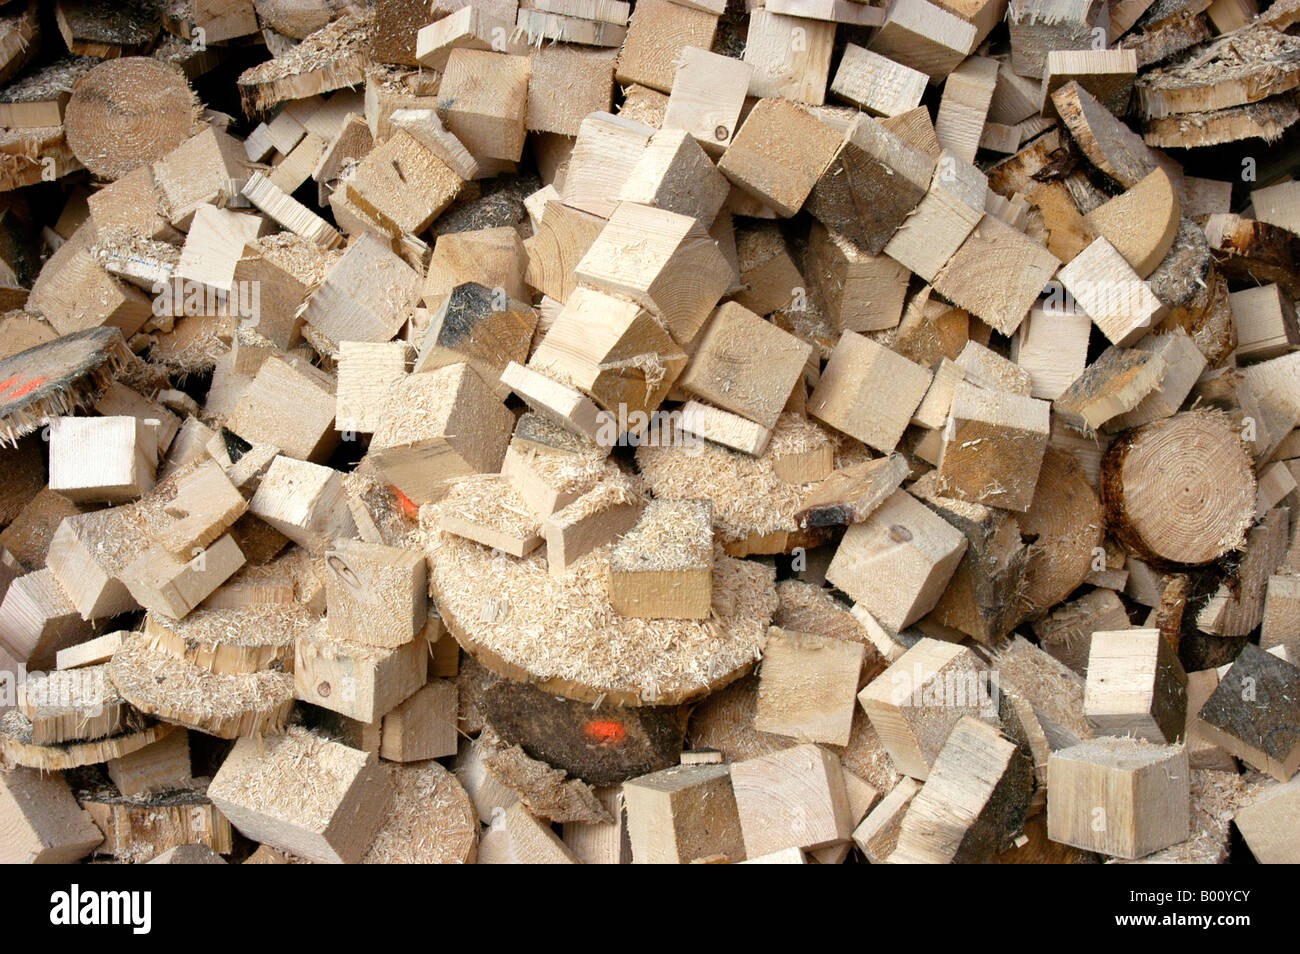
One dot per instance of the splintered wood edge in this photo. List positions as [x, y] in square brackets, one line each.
[52, 758]
[90, 361]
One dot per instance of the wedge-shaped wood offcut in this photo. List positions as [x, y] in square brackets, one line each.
[1136, 686]
[876, 83]
[479, 326]
[779, 154]
[996, 274]
[663, 567]
[1120, 797]
[664, 261]
[360, 681]
[993, 447]
[708, 93]
[1108, 143]
[898, 561]
[872, 185]
[263, 788]
[42, 821]
[1252, 713]
[791, 56]
[791, 799]
[808, 686]
[916, 702]
[437, 426]
[973, 803]
[682, 814]
[613, 349]
[1107, 74]
[374, 594]
[745, 364]
[868, 392]
[102, 459]
[305, 502]
[877, 834]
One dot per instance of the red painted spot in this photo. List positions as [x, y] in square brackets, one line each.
[27, 388]
[7, 384]
[605, 731]
[409, 509]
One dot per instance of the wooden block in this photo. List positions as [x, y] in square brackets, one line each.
[1107, 74]
[368, 371]
[850, 494]
[374, 594]
[877, 834]
[365, 294]
[208, 168]
[161, 766]
[876, 83]
[1119, 797]
[745, 364]
[305, 502]
[132, 202]
[605, 153]
[898, 561]
[794, 798]
[657, 35]
[1283, 594]
[663, 567]
[723, 427]
[517, 837]
[1251, 713]
[43, 822]
[37, 620]
[613, 349]
[936, 228]
[1276, 204]
[852, 395]
[422, 727]
[494, 258]
[967, 94]
[565, 85]
[667, 812]
[73, 292]
[563, 237]
[993, 447]
[925, 37]
[560, 404]
[402, 184]
[437, 426]
[1067, 631]
[205, 506]
[875, 169]
[1268, 825]
[483, 99]
[122, 453]
[359, 681]
[291, 406]
[261, 786]
[808, 685]
[172, 586]
[791, 56]
[538, 27]
[998, 137]
[600, 516]
[90, 653]
[1039, 26]
[1183, 364]
[468, 28]
[602, 843]
[668, 245]
[1119, 302]
[973, 802]
[1141, 224]
[708, 94]
[1052, 346]
[1236, 609]
[860, 291]
[1136, 686]
[779, 154]
[1266, 322]
[767, 271]
[481, 327]
[675, 174]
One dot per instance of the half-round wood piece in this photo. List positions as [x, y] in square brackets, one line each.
[227, 706]
[232, 641]
[1065, 520]
[431, 822]
[16, 730]
[1107, 142]
[128, 112]
[1180, 490]
[300, 18]
[561, 634]
[58, 378]
[1142, 222]
[1267, 120]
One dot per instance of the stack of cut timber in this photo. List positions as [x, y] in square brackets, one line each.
[585, 431]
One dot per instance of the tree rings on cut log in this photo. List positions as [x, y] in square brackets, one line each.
[128, 112]
[15, 745]
[1066, 527]
[58, 378]
[1180, 490]
[431, 822]
[173, 690]
[560, 633]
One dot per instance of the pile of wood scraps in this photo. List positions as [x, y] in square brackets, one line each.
[670, 431]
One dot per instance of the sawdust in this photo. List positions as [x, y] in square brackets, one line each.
[432, 820]
[47, 83]
[671, 535]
